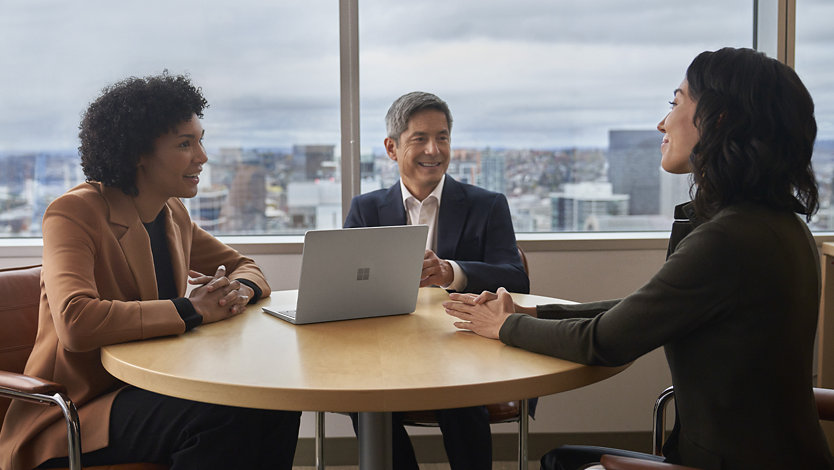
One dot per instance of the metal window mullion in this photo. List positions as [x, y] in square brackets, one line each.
[349, 99]
[786, 32]
[774, 29]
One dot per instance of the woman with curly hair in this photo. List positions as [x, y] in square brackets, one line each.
[735, 305]
[118, 251]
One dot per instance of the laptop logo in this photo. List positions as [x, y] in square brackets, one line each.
[363, 274]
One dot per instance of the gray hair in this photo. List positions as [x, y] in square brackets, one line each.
[401, 110]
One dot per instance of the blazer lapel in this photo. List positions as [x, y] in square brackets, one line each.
[391, 211]
[453, 209]
[134, 241]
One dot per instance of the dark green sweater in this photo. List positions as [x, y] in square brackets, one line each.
[735, 307]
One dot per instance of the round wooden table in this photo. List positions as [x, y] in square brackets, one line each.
[373, 366]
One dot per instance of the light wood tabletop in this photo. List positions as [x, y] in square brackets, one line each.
[372, 366]
[396, 363]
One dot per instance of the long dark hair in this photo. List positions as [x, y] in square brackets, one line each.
[756, 128]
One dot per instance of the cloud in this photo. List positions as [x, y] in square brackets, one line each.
[593, 21]
[519, 73]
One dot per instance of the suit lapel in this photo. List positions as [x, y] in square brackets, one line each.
[453, 210]
[391, 211]
[134, 241]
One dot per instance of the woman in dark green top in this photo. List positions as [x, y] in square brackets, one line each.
[735, 305]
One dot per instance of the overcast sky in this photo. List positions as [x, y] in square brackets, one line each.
[526, 73]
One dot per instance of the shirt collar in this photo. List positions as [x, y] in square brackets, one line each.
[436, 192]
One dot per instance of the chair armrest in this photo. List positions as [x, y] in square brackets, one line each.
[28, 384]
[616, 462]
[825, 403]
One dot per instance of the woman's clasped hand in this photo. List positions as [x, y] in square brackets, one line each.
[217, 297]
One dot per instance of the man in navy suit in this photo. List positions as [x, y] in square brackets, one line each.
[470, 247]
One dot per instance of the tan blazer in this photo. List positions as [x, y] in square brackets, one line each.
[98, 287]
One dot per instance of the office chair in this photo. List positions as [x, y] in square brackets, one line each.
[19, 298]
[825, 407]
[616, 462]
[506, 412]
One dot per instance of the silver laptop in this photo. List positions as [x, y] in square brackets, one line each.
[357, 273]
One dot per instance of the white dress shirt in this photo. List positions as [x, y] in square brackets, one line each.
[425, 212]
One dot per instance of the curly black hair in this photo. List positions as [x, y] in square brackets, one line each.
[124, 121]
[756, 128]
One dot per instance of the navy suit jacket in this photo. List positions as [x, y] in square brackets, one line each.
[474, 229]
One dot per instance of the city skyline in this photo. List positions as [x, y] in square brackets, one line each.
[290, 190]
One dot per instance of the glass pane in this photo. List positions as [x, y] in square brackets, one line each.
[814, 56]
[269, 70]
[554, 103]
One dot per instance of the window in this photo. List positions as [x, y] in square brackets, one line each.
[555, 104]
[269, 70]
[814, 40]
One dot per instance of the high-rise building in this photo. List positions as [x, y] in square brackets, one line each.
[674, 190]
[206, 208]
[580, 206]
[310, 158]
[465, 165]
[493, 172]
[634, 168]
[366, 165]
[55, 172]
[464, 171]
[314, 204]
[245, 210]
[530, 213]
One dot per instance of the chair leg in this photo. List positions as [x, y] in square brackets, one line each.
[523, 425]
[659, 424]
[320, 440]
[70, 416]
[73, 429]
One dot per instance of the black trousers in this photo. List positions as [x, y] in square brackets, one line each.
[579, 457]
[466, 438]
[148, 427]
